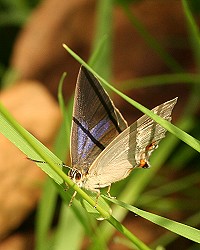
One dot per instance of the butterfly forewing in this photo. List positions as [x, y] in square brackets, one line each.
[129, 149]
[96, 121]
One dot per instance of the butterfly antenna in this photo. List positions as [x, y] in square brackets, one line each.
[44, 162]
[38, 161]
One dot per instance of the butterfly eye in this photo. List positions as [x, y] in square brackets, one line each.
[78, 176]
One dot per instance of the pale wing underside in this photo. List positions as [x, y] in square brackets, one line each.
[96, 121]
[125, 152]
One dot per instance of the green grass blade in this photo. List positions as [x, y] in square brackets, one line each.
[169, 237]
[149, 81]
[141, 178]
[69, 234]
[172, 187]
[62, 143]
[35, 149]
[194, 32]
[128, 234]
[176, 227]
[103, 35]
[62, 105]
[45, 214]
[188, 139]
[97, 53]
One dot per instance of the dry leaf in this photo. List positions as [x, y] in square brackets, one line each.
[21, 180]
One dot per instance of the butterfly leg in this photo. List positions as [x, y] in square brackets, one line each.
[108, 192]
[73, 196]
[66, 188]
[97, 197]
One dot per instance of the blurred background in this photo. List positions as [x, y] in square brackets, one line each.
[148, 50]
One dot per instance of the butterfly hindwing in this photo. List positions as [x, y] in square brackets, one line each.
[132, 148]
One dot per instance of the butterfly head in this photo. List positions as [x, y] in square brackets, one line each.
[76, 176]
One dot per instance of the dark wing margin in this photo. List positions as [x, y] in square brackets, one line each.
[96, 121]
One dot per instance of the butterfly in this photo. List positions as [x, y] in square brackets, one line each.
[104, 149]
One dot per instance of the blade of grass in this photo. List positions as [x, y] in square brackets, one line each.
[194, 32]
[169, 205]
[183, 158]
[35, 149]
[149, 81]
[127, 233]
[97, 53]
[69, 233]
[169, 237]
[61, 146]
[29, 145]
[102, 51]
[45, 214]
[103, 29]
[83, 217]
[176, 227]
[129, 194]
[172, 187]
[67, 114]
[188, 139]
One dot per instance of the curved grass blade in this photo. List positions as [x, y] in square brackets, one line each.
[103, 36]
[66, 236]
[193, 30]
[131, 195]
[29, 145]
[44, 216]
[169, 237]
[174, 226]
[149, 81]
[188, 139]
[20, 137]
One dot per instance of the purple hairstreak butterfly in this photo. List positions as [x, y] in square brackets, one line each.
[104, 149]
